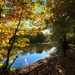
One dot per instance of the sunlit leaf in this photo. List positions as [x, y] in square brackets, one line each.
[1, 57]
[1, 64]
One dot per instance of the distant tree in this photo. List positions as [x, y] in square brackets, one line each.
[39, 38]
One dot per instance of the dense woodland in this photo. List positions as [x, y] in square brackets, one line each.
[15, 15]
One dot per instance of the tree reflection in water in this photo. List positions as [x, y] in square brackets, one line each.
[38, 48]
[31, 54]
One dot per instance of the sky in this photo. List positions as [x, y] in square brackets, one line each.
[46, 31]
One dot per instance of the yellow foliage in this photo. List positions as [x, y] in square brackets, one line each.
[1, 57]
[26, 44]
[20, 51]
[1, 64]
[1, 2]
[28, 1]
[4, 51]
[7, 40]
[3, 42]
[1, 26]
[11, 20]
[13, 57]
[21, 32]
[18, 44]
[26, 39]
[0, 30]
[53, 6]
[17, 33]
[51, 15]
[23, 25]
[43, 10]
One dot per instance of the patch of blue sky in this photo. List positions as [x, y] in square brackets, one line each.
[33, 0]
[21, 21]
[28, 24]
[38, 9]
[43, 0]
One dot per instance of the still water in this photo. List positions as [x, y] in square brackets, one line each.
[33, 53]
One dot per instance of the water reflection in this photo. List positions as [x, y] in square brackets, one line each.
[38, 48]
[33, 53]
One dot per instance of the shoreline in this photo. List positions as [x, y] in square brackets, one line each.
[34, 65]
[52, 65]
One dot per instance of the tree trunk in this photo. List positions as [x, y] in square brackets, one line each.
[0, 11]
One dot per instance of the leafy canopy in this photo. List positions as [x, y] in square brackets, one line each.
[15, 15]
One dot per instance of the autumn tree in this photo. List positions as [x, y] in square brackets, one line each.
[14, 17]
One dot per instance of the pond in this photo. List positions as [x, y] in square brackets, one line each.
[33, 53]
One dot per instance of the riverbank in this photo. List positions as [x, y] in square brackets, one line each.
[54, 65]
